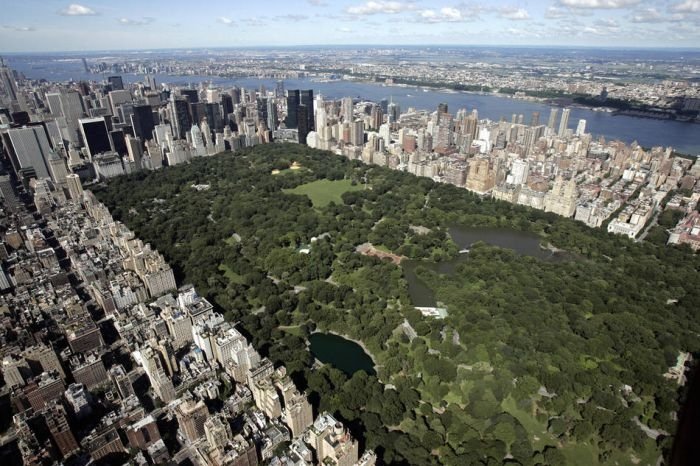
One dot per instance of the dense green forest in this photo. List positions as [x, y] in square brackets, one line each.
[538, 362]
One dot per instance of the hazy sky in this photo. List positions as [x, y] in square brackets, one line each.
[51, 25]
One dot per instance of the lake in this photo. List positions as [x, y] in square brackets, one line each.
[340, 353]
[524, 243]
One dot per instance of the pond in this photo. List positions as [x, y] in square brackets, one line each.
[524, 243]
[340, 353]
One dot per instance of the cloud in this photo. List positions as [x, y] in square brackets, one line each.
[607, 23]
[136, 22]
[345, 29]
[291, 18]
[652, 15]
[444, 15]
[687, 6]
[20, 28]
[517, 14]
[599, 4]
[75, 9]
[317, 2]
[554, 12]
[379, 7]
[225, 20]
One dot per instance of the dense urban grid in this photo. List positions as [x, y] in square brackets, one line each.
[106, 357]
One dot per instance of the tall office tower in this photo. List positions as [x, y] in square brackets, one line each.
[29, 148]
[394, 111]
[117, 98]
[191, 417]
[150, 81]
[57, 168]
[581, 128]
[279, 90]
[142, 122]
[85, 66]
[198, 110]
[95, 135]
[134, 148]
[347, 109]
[564, 124]
[535, 120]
[55, 417]
[236, 95]
[384, 104]
[271, 114]
[212, 95]
[191, 95]
[226, 104]
[306, 97]
[303, 122]
[293, 101]
[261, 107]
[7, 191]
[357, 133]
[553, 114]
[519, 172]
[442, 108]
[118, 141]
[69, 105]
[376, 117]
[179, 116]
[116, 82]
[8, 86]
[298, 414]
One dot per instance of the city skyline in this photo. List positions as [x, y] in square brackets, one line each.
[98, 25]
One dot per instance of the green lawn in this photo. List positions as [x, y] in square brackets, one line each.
[230, 274]
[322, 192]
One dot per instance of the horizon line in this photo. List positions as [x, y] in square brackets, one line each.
[330, 46]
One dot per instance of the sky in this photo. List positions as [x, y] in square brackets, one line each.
[55, 25]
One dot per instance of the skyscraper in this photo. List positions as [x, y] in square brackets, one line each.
[303, 122]
[95, 135]
[142, 122]
[347, 109]
[179, 116]
[271, 114]
[116, 83]
[29, 147]
[293, 101]
[581, 128]
[307, 99]
[535, 120]
[553, 114]
[564, 124]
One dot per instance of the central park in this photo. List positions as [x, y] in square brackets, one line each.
[542, 357]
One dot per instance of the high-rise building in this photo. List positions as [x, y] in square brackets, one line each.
[142, 122]
[306, 97]
[581, 128]
[564, 124]
[218, 432]
[553, 115]
[95, 135]
[293, 101]
[116, 82]
[29, 147]
[179, 116]
[346, 109]
[75, 187]
[535, 120]
[191, 417]
[55, 417]
[357, 133]
[303, 122]
[191, 95]
[271, 114]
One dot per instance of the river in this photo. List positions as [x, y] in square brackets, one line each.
[683, 137]
[523, 243]
[340, 353]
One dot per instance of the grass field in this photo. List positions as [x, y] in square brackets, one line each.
[322, 192]
[230, 274]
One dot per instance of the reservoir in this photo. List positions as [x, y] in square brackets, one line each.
[341, 353]
[523, 243]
